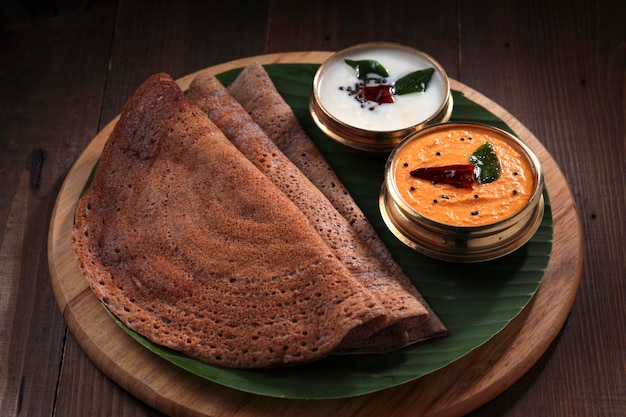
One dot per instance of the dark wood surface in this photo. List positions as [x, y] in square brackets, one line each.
[68, 66]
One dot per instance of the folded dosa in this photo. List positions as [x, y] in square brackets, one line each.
[190, 245]
[255, 91]
[401, 306]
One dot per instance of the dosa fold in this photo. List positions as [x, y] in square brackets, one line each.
[190, 245]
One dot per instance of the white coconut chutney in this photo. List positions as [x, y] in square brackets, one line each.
[407, 110]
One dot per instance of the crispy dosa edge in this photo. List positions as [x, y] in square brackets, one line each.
[213, 98]
[207, 284]
[255, 91]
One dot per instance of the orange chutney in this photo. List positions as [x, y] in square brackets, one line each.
[481, 205]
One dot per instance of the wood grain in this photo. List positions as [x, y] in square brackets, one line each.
[453, 391]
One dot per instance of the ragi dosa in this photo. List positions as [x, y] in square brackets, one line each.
[401, 306]
[255, 91]
[190, 245]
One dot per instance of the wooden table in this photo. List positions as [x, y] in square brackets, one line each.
[67, 68]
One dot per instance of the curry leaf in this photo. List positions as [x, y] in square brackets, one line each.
[367, 66]
[415, 82]
[486, 164]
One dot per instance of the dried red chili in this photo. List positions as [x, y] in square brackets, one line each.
[461, 176]
[378, 93]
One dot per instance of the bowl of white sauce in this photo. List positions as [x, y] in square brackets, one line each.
[372, 95]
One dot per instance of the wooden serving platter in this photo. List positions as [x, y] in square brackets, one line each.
[454, 390]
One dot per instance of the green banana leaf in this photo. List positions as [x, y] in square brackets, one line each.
[475, 301]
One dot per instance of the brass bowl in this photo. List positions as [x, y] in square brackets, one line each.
[458, 243]
[435, 105]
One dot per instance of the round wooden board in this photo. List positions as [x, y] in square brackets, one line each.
[455, 390]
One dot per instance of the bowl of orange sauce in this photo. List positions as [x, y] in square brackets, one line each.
[462, 192]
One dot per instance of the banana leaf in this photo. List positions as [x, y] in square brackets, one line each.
[475, 301]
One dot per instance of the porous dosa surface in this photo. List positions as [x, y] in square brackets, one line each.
[190, 245]
[238, 126]
[255, 91]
